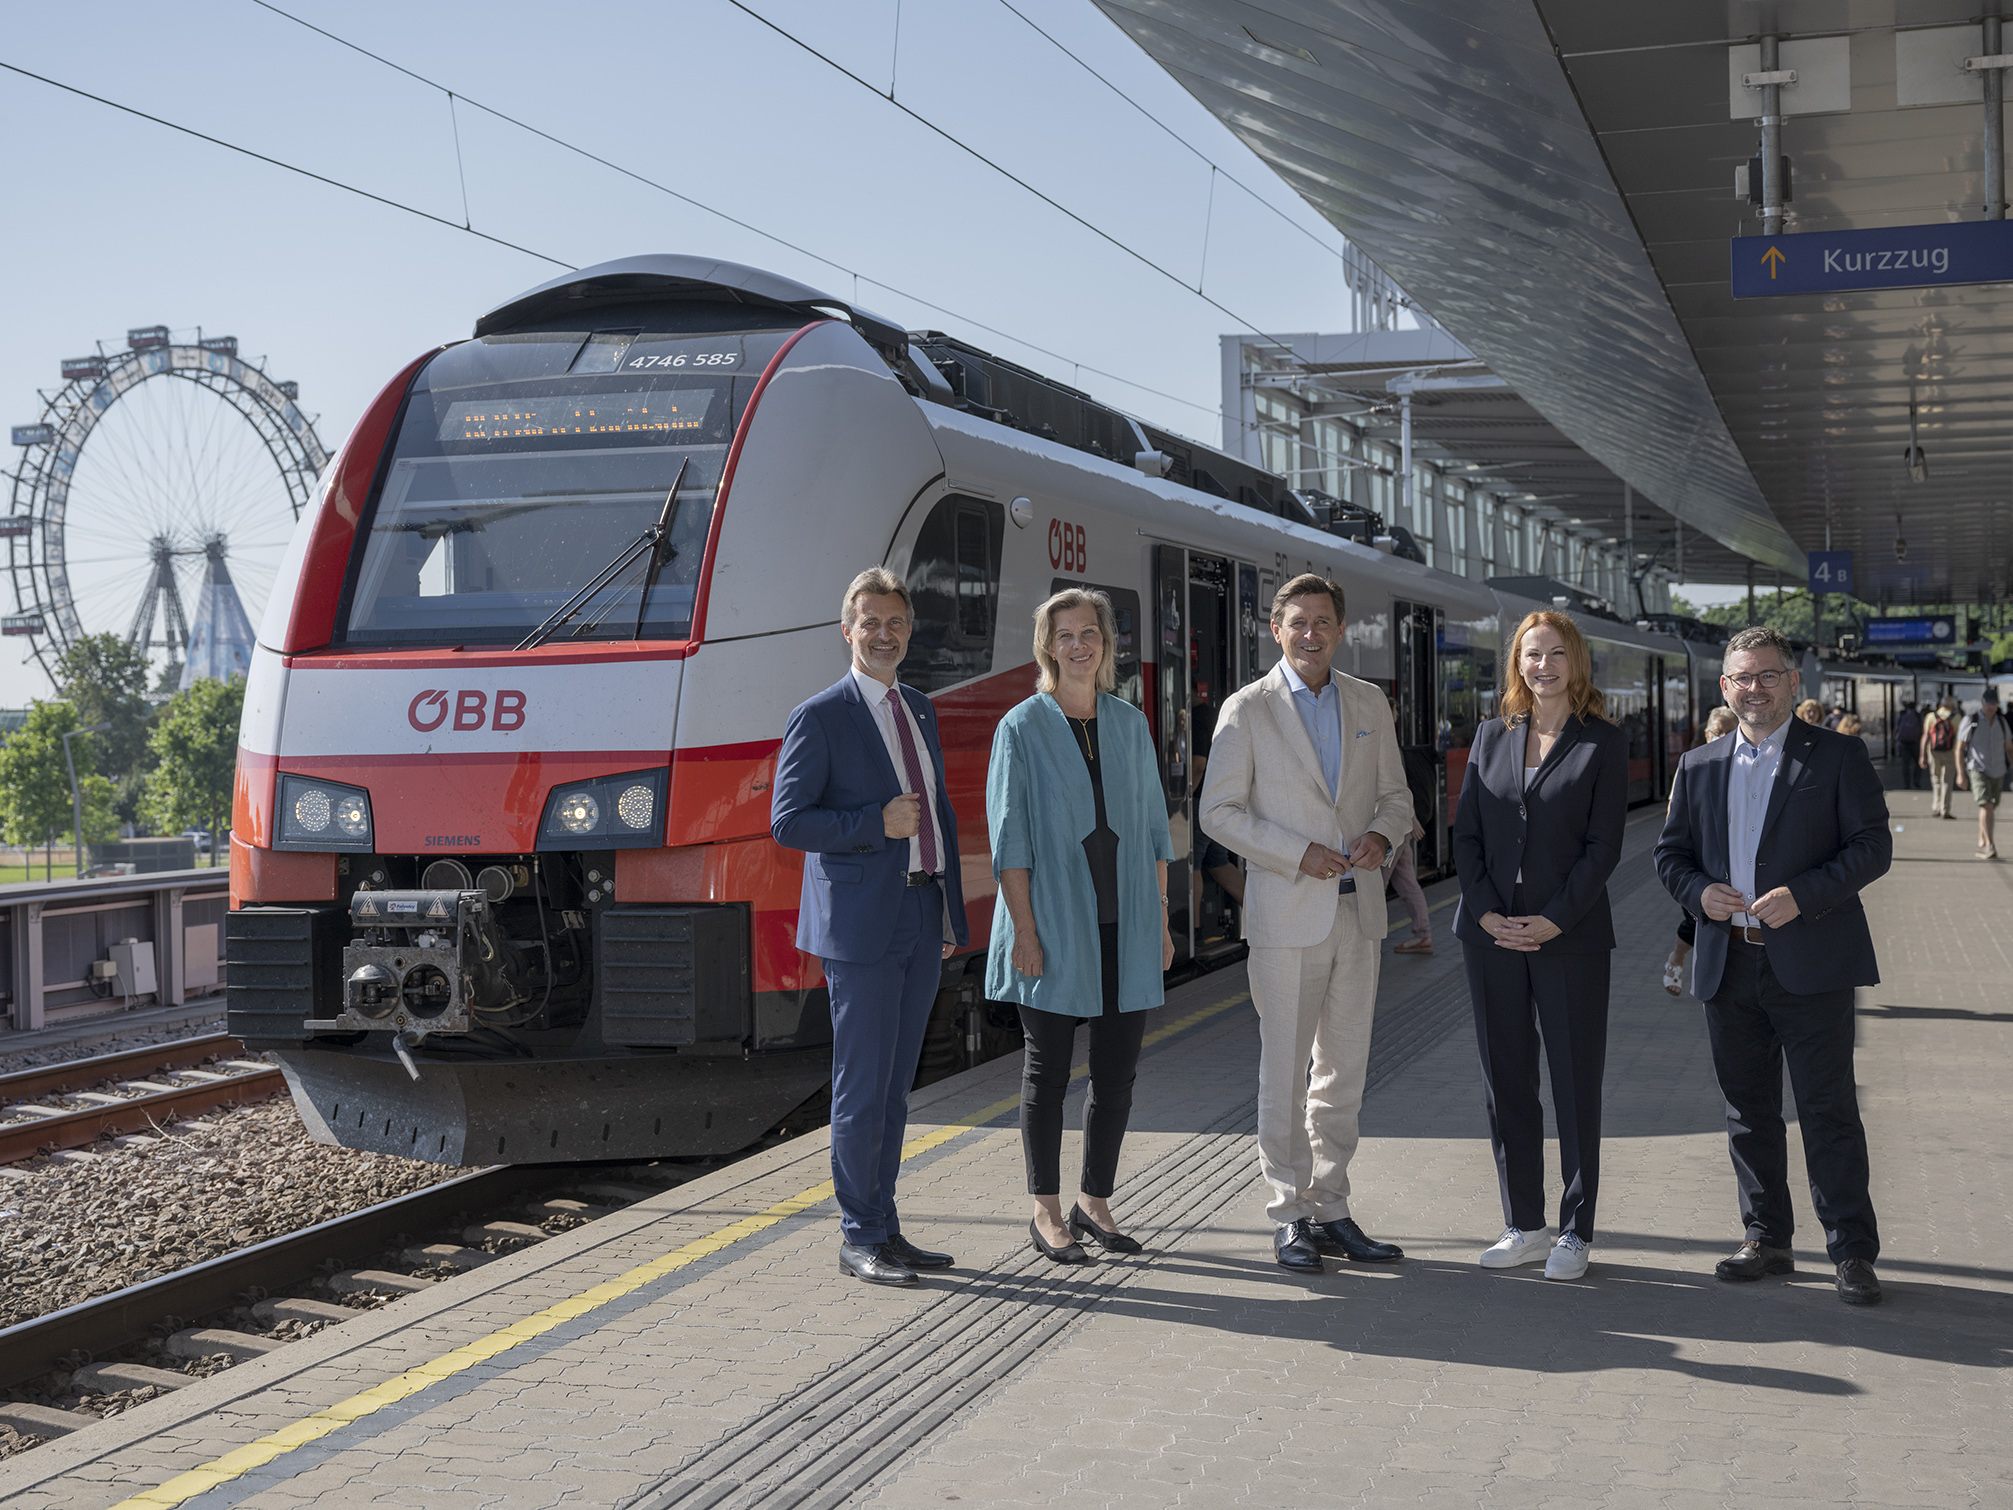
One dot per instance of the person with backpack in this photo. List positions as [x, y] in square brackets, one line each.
[1938, 756]
[1984, 755]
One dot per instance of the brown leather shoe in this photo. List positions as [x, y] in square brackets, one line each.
[1752, 1260]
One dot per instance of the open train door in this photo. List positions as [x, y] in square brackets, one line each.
[1173, 735]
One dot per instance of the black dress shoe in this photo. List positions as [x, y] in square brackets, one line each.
[1069, 1253]
[1293, 1246]
[1752, 1260]
[1107, 1239]
[1344, 1239]
[874, 1266]
[1857, 1283]
[902, 1251]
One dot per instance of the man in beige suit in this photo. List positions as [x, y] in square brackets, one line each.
[1305, 782]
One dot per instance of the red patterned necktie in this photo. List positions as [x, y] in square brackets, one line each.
[912, 767]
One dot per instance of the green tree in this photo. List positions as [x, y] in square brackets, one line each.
[105, 680]
[34, 783]
[195, 749]
[101, 806]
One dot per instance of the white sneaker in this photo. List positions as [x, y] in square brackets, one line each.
[1569, 1258]
[1514, 1247]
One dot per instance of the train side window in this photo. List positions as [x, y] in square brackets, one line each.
[954, 580]
[1125, 609]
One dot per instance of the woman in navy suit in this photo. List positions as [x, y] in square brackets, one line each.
[1536, 835]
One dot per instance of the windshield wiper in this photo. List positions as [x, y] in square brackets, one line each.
[656, 540]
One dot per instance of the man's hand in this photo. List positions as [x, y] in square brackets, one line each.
[1027, 954]
[1323, 863]
[902, 816]
[1537, 930]
[1775, 909]
[1721, 901]
[1509, 933]
[949, 948]
[1369, 852]
[1923, 761]
[1961, 784]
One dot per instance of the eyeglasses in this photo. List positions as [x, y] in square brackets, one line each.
[1768, 681]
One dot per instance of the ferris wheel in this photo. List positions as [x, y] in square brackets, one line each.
[165, 474]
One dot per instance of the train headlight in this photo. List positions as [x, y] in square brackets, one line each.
[578, 813]
[636, 805]
[625, 811]
[322, 815]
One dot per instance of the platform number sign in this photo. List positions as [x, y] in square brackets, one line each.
[1830, 571]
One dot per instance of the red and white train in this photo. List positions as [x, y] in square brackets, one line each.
[502, 881]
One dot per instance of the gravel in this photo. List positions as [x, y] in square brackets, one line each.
[111, 1042]
[72, 1228]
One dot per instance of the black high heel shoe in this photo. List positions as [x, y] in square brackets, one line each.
[1072, 1254]
[1112, 1242]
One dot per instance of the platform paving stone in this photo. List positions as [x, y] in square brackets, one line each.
[1203, 1374]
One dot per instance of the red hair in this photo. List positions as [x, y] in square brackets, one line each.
[1582, 696]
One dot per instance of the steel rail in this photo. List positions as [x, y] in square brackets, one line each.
[126, 1064]
[95, 1328]
[23, 1140]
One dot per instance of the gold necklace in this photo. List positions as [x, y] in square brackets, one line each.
[1082, 728]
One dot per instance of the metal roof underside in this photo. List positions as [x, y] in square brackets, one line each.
[1553, 180]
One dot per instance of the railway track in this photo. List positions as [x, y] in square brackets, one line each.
[85, 1352]
[61, 1106]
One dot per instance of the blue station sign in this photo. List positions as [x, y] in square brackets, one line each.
[1939, 630]
[1830, 571]
[1903, 256]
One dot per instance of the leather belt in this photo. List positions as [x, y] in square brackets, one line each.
[1750, 935]
[923, 878]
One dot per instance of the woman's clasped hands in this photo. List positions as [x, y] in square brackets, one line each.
[1522, 934]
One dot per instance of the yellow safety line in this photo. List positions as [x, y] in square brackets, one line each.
[242, 1460]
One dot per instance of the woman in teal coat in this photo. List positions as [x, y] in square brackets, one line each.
[1080, 848]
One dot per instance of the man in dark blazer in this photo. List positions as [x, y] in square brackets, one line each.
[860, 789]
[1771, 836]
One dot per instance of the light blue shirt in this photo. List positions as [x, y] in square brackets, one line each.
[1748, 787]
[1321, 716]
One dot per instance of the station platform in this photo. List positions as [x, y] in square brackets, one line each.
[703, 1349]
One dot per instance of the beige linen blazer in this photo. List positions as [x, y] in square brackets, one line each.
[1264, 797]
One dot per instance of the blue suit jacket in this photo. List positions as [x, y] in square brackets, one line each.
[1564, 832]
[833, 777]
[1824, 836]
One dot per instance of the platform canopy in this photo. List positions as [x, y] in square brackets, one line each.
[1554, 181]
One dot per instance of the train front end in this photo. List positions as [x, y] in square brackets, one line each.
[459, 754]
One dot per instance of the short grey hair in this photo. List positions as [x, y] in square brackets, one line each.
[1048, 674]
[1761, 637]
[876, 582]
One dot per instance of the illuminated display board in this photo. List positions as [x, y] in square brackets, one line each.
[666, 412]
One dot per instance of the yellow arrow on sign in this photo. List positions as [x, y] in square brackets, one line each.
[1773, 259]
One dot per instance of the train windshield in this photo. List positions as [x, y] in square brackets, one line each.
[525, 463]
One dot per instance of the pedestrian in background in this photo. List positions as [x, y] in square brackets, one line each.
[1984, 749]
[1938, 756]
[1405, 881]
[1718, 722]
[1536, 836]
[1811, 711]
[1907, 736]
[1080, 849]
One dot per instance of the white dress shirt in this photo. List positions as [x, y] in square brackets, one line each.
[1749, 785]
[876, 694]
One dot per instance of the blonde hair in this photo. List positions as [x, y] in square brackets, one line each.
[875, 581]
[1722, 720]
[1810, 710]
[1850, 724]
[1048, 673]
[1582, 696]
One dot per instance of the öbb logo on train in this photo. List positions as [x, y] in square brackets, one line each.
[469, 709]
[1067, 549]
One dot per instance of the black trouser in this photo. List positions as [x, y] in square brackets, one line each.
[1562, 998]
[1114, 1061]
[1911, 773]
[1755, 1025]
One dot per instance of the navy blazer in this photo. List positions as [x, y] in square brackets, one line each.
[1564, 832]
[833, 777]
[1824, 836]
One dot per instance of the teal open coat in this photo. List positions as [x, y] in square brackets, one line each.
[1040, 807]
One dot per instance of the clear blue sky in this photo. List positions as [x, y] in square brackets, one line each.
[114, 221]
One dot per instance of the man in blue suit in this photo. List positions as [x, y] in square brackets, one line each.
[860, 789]
[1772, 835]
